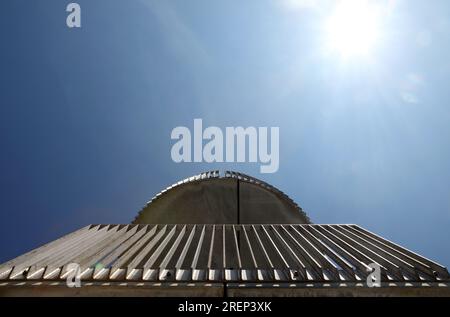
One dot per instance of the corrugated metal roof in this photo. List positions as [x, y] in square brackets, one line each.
[249, 253]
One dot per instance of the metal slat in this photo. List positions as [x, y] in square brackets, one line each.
[214, 274]
[51, 263]
[149, 271]
[312, 263]
[278, 272]
[77, 253]
[199, 247]
[250, 253]
[363, 258]
[224, 255]
[360, 266]
[385, 246]
[439, 269]
[324, 249]
[36, 255]
[361, 249]
[81, 251]
[295, 271]
[395, 246]
[166, 273]
[43, 249]
[182, 274]
[262, 247]
[101, 257]
[249, 247]
[329, 269]
[197, 273]
[403, 265]
[248, 273]
[114, 256]
[185, 249]
[264, 273]
[94, 253]
[237, 247]
[232, 273]
[117, 269]
[132, 271]
[211, 247]
[151, 261]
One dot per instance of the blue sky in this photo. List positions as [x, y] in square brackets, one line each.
[86, 114]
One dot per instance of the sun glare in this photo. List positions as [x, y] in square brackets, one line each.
[353, 29]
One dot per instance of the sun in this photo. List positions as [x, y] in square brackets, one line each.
[354, 28]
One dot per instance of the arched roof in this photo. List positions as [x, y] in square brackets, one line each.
[231, 198]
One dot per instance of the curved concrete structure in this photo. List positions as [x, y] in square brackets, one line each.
[210, 198]
[279, 255]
